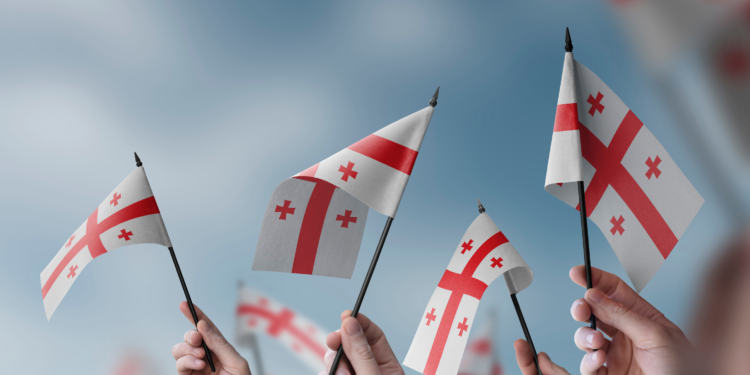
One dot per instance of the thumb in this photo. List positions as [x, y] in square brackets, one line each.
[636, 326]
[223, 350]
[357, 349]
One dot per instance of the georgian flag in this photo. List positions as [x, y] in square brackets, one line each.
[635, 193]
[314, 221]
[480, 357]
[376, 169]
[483, 255]
[129, 215]
[258, 313]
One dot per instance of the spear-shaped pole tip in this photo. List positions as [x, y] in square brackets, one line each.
[137, 160]
[481, 208]
[568, 42]
[433, 102]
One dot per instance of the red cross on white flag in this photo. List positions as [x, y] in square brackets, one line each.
[635, 193]
[257, 313]
[314, 222]
[134, 219]
[480, 357]
[448, 319]
[376, 169]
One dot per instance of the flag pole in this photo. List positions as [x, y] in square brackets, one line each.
[524, 327]
[368, 277]
[254, 348]
[584, 218]
[184, 288]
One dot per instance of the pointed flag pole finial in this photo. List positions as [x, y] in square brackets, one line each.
[568, 42]
[481, 208]
[433, 102]
[137, 160]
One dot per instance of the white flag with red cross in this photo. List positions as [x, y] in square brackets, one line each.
[635, 193]
[129, 215]
[314, 222]
[257, 313]
[483, 255]
[480, 357]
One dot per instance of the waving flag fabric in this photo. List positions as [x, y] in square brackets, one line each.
[311, 227]
[129, 215]
[483, 255]
[376, 169]
[315, 220]
[635, 193]
[480, 357]
[257, 313]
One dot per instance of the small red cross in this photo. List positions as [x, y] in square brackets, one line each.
[348, 171]
[71, 241]
[125, 235]
[285, 210]
[431, 316]
[496, 262]
[462, 327]
[653, 167]
[617, 225]
[346, 218]
[115, 197]
[72, 271]
[467, 246]
[596, 104]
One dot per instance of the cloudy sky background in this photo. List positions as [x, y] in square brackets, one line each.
[223, 102]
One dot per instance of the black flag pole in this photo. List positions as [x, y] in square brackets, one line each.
[184, 288]
[582, 208]
[371, 270]
[524, 327]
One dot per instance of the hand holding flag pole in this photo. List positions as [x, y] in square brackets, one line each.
[371, 270]
[184, 288]
[582, 202]
[524, 327]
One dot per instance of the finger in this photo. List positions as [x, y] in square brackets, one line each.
[582, 312]
[219, 346]
[343, 368]
[377, 341]
[188, 363]
[333, 340]
[588, 339]
[185, 308]
[182, 349]
[637, 327]
[193, 338]
[357, 349]
[525, 357]
[593, 363]
[548, 367]
[617, 290]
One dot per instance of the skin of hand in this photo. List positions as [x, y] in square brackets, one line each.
[641, 339]
[366, 350]
[189, 354]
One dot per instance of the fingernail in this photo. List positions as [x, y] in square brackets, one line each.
[594, 357]
[575, 304]
[342, 372]
[352, 327]
[198, 362]
[595, 296]
[198, 351]
[590, 339]
[330, 355]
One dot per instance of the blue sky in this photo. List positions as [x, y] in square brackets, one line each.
[223, 102]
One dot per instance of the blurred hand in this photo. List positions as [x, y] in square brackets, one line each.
[642, 340]
[189, 354]
[366, 349]
[525, 359]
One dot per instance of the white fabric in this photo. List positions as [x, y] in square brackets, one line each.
[337, 247]
[377, 184]
[474, 261]
[480, 357]
[257, 313]
[142, 229]
[666, 187]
